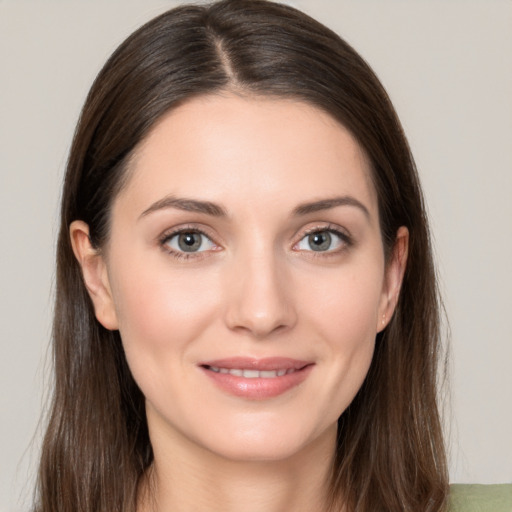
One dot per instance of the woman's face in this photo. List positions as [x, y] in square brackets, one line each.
[245, 272]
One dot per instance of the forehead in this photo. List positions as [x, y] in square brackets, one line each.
[255, 149]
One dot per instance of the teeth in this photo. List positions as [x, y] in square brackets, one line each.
[252, 374]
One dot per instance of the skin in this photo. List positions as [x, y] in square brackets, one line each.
[256, 288]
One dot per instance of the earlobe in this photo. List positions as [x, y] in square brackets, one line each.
[394, 276]
[94, 272]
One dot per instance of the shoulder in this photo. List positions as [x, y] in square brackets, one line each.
[480, 498]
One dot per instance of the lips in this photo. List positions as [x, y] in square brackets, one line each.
[257, 379]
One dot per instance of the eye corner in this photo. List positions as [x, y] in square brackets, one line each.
[331, 240]
[169, 241]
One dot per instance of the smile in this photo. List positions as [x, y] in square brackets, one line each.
[257, 379]
[252, 374]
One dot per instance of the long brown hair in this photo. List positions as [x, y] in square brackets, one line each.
[390, 454]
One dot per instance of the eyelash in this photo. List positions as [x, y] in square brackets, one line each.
[168, 235]
[329, 228]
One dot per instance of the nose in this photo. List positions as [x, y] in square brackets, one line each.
[261, 300]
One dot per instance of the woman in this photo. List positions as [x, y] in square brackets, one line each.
[246, 311]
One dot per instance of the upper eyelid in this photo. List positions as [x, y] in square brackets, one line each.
[344, 239]
[171, 232]
[324, 227]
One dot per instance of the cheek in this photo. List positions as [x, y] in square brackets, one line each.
[343, 312]
[160, 312]
[345, 304]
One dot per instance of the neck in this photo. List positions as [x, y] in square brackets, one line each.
[186, 477]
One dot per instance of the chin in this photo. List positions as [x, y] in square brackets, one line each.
[270, 442]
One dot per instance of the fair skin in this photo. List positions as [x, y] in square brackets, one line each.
[248, 228]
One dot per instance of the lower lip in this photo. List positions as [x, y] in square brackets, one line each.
[258, 388]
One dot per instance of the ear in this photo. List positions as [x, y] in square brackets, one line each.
[395, 270]
[94, 271]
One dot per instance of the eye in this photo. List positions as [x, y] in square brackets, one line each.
[188, 242]
[326, 240]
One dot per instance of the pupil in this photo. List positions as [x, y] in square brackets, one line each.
[189, 242]
[320, 241]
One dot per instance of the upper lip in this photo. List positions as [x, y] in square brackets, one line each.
[250, 363]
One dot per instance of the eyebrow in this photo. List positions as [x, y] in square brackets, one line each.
[187, 205]
[209, 208]
[326, 204]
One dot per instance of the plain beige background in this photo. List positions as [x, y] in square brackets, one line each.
[447, 65]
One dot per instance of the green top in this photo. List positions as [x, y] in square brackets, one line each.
[480, 498]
